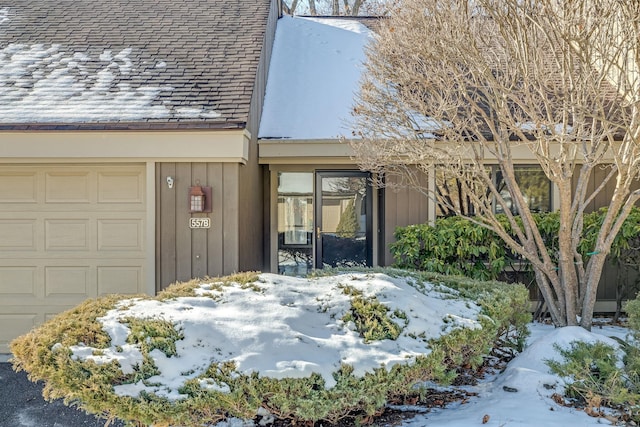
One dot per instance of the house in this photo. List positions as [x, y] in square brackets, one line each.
[314, 183]
[138, 148]
[111, 114]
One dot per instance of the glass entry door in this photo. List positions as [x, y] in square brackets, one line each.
[343, 223]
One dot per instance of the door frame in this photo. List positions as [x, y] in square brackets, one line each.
[375, 232]
[317, 211]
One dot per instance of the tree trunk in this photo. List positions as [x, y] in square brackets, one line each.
[294, 5]
[555, 308]
[347, 8]
[355, 10]
[312, 8]
[594, 271]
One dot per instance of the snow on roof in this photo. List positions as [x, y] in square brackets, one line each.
[40, 83]
[314, 73]
[122, 64]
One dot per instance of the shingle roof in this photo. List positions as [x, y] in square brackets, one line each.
[129, 64]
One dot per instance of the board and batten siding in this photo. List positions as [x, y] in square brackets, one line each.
[183, 253]
[611, 274]
[402, 206]
[253, 216]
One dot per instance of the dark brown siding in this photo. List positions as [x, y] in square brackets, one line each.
[183, 253]
[610, 275]
[251, 197]
[404, 206]
[235, 240]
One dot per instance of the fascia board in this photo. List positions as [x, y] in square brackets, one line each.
[214, 146]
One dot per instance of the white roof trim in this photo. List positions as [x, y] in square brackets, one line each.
[211, 146]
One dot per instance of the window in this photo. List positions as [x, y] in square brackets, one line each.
[295, 222]
[533, 183]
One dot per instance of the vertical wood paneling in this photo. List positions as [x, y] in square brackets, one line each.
[166, 226]
[390, 221]
[183, 233]
[199, 252]
[266, 220]
[251, 209]
[183, 253]
[215, 258]
[230, 209]
[403, 206]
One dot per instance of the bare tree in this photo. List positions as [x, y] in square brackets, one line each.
[471, 88]
[326, 7]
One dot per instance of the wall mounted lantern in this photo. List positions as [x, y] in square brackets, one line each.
[199, 198]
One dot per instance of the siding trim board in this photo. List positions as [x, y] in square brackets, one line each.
[219, 146]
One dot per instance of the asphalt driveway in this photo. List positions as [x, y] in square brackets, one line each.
[22, 405]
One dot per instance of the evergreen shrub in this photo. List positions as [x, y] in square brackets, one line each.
[301, 400]
[458, 246]
[601, 375]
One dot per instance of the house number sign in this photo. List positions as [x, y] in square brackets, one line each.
[199, 222]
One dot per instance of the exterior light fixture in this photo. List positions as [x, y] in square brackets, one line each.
[196, 199]
[199, 198]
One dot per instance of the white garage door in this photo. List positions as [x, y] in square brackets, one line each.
[67, 233]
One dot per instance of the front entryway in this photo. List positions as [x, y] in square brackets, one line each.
[324, 219]
[343, 219]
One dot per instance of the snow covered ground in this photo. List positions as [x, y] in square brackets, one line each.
[292, 326]
[531, 405]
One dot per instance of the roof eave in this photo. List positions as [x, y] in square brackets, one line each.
[123, 126]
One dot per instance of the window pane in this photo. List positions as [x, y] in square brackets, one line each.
[532, 181]
[451, 196]
[344, 221]
[295, 222]
[535, 187]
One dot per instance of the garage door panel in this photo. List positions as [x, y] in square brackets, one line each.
[18, 187]
[67, 187]
[120, 187]
[67, 234]
[120, 279]
[18, 281]
[68, 281]
[18, 234]
[120, 234]
[13, 325]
